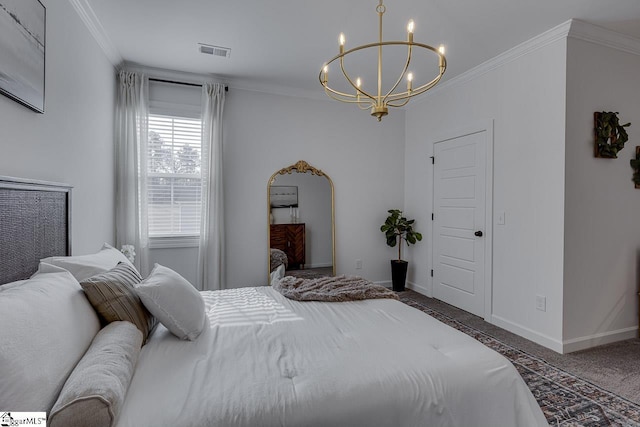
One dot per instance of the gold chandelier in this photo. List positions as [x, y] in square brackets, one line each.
[379, 102]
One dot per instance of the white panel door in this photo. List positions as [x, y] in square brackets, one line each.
[459, 222]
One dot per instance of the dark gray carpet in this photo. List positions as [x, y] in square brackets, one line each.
[579, 389]
[614, 367]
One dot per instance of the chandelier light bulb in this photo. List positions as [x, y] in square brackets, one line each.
[358, 82]
[410, 26]
[409, 81]
[342, 39]
[441, 60]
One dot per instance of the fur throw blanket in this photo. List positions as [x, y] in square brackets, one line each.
[331, 289]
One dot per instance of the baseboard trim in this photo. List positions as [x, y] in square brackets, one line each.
[421, 289]
[409, 285]
[581, 343]
[320, 265]
[527, 333]
[385, 283]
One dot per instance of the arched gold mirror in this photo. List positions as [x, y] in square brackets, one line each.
[300, 214]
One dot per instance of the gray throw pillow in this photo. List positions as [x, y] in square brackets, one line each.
[96, 388]
[113, 296]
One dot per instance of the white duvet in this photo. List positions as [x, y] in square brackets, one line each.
[264, 360]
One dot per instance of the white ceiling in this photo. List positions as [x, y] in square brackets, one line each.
[285, 42]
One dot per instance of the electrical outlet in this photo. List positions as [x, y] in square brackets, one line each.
[358, 264]
[541, 303]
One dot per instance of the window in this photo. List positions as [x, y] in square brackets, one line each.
[174, 178]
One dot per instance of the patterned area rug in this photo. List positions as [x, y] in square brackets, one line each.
[311, 273]
[565, 399]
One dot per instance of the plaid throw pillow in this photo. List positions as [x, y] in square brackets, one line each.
[113, 296]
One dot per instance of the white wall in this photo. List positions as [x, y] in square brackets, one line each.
[525, 96]
[364, 158]
[72, 142]
[602, 233]
[182, 260]
[314, 210]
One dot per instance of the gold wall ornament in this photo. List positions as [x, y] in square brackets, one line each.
[381, 100]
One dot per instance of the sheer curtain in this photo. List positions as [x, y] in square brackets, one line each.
[211, 268]
[131, 164]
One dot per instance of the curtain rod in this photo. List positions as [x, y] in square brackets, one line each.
[226, 88]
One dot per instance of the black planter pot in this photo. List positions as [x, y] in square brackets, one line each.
[398, 274]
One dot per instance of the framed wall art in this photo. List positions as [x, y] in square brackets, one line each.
[283, 196]
[22, 52]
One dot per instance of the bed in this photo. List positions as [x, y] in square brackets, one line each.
[259, 359]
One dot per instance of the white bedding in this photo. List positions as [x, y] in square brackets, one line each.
[264, 360]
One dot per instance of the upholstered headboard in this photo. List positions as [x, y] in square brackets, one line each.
[35, 223]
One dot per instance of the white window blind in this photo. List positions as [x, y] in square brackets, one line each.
[174, 177]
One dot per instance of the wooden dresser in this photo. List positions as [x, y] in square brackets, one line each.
[290, 239]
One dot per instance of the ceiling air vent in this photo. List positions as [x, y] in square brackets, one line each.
[224, 52]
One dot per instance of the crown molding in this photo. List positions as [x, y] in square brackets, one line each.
[232, 83]
[550, 36]
[91, 21]
[572, 28]
[594, 34]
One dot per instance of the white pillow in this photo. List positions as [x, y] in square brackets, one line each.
[46, 325]
[173, 301]
[84, 266]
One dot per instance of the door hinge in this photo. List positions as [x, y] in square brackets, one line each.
[433, 217]
[433, 160]
[432, 273]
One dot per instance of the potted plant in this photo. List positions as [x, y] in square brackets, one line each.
[397, 228]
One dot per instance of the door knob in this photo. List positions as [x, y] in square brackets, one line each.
[478, 233]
